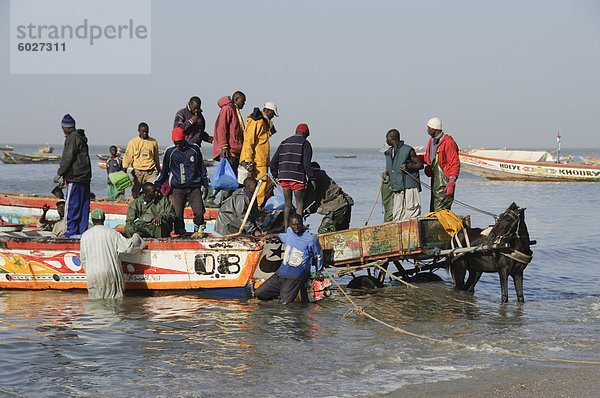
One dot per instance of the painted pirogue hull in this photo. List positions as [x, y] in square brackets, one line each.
[16, 158]
[42, 263]
[21, 209]
[514, 170]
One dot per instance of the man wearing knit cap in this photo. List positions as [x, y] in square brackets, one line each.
[443, 165]
[100, 248]
[255, 150]
[184, 167]
[291, 167]
[191, 120]
[76, 171]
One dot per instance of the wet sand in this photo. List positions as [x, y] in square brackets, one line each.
[530, 382]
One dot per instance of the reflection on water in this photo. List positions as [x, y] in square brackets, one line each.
[204, 344]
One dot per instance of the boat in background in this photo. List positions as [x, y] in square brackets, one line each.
[344, 156]
[520, 165]
[46, 149]
[34, 158]
[6, 148]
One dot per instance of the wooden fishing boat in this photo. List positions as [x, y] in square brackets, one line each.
[46, 149]
[37, 262]
[27, 209]
[17, 158]
[513, 165]
[102, 163]
[344, 156]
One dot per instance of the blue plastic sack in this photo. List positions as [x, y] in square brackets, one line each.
[276, 202]
[224, 178]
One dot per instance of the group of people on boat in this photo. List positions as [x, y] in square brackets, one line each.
[160, 193]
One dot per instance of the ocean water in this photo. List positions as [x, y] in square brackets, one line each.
[204, 344]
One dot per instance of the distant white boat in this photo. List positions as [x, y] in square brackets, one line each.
[515, 165]
[6, 148]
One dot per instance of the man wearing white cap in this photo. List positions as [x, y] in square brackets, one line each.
[443, 165]
[255, 150]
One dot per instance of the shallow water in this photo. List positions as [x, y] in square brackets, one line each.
[223, 343]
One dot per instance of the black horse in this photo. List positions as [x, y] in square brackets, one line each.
[510, 257]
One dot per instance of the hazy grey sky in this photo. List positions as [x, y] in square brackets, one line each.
[507, 73]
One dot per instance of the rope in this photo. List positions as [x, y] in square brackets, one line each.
[374, 203]
[361, 311]
[395, 277]
[495, 216]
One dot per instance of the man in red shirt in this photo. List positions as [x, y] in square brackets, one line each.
[443, 165]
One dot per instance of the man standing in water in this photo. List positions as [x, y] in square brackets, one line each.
[142, 155]
[301, 247]
[443, 165]
[76, 170]
[402, 166]
[100, 248]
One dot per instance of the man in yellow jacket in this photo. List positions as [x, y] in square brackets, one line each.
[255, 150]
[142, 155]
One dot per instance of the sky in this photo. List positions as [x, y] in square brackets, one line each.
[498, 74]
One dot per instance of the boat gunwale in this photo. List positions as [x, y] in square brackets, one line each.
[568, 165]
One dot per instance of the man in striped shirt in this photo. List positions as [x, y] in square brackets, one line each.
[290, 166]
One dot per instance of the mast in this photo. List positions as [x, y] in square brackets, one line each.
[558, 147]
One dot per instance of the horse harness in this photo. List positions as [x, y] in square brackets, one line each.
[515, 255]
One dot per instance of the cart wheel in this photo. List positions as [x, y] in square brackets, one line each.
[426, 277]
[365, 282]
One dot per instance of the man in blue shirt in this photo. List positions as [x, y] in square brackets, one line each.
[184, 167]
[300, 248]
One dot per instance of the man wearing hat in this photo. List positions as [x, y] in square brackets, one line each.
[443, 165]
[291, 167]
[255, 150]
[191, 120]
[184, 168]
[76, 170]
[100, 249]
[150, 214]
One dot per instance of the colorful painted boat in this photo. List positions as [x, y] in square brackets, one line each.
[28, 262]
[102, 163]
[17, 158]
[524, 166]
[23, 209]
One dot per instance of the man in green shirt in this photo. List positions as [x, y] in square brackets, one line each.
[150, 215]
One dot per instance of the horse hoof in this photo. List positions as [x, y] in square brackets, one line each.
[364, 282]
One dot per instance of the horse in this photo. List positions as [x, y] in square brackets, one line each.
[510, 257]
